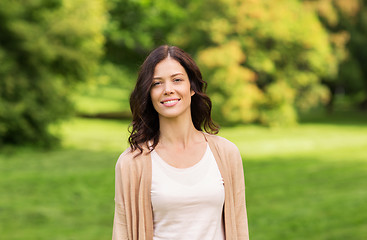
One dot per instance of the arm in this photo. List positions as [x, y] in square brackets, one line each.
[238, 181]
[120, 231]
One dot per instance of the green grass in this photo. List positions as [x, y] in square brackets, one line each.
[303, 182]
[101, 99]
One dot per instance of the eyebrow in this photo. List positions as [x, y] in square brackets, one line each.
[173, 75]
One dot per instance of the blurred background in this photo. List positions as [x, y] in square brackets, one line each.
[288, 82]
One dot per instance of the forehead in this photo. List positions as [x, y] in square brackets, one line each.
[168, 67]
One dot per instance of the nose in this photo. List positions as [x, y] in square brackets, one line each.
[168, 89]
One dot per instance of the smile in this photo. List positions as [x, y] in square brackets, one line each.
[170, 102]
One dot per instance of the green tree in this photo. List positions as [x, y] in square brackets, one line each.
[346, 23]
[264, 60]
[45, 48]
[133, 30]
[135, 27]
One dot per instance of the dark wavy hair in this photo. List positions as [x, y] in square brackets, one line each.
[145, 123]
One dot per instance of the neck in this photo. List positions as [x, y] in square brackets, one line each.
[178, 132]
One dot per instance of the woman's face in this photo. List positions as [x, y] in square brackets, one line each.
[171, 92]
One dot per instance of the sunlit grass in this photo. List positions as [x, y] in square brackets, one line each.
[95, 135]
[302, 182]
[258, 142]
[101, 99]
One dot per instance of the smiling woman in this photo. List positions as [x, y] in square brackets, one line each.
[175, 181]
[171, 92]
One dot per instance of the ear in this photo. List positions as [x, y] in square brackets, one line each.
[192, 92]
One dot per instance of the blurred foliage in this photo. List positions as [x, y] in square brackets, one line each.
[264, 61]
[45, 48]
[136, 27]
[346, 22]
[259, 59]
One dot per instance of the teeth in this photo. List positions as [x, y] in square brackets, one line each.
[170, 101]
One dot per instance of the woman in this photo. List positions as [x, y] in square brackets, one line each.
[175, 181]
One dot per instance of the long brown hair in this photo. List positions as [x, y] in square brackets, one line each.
[145, 123]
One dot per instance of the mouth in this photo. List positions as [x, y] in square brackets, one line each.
[170, 102]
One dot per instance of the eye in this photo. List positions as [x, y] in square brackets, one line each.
[156, 83]
[177, 80]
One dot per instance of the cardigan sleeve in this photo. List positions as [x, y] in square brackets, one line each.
[238, 181]
[120, 231]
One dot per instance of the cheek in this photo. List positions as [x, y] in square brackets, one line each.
[154, 97]
[153, 94]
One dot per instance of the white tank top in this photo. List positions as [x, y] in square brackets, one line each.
[187, 203]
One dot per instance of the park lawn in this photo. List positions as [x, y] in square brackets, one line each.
[302, 182]
[101, 98]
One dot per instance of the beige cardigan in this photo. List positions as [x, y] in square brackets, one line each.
[133, 210]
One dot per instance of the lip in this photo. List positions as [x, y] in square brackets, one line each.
[170, 102]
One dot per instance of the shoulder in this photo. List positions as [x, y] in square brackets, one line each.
[226, 153]
[222, 142]
[125, 157]
[131, 158]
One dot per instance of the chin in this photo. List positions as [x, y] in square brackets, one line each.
[171, 114]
